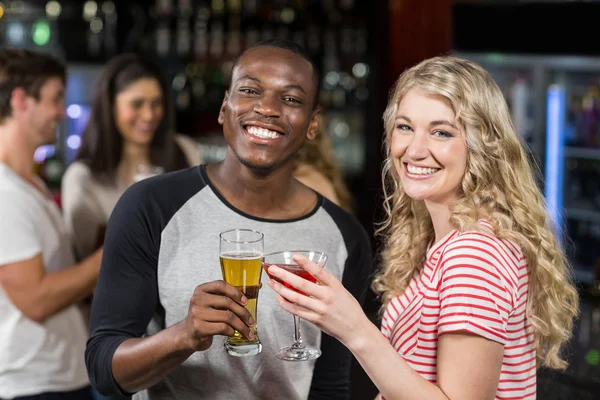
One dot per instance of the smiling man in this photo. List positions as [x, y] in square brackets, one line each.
[161, 311]
[42, 331]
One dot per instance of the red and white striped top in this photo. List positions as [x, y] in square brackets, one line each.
[474, 282]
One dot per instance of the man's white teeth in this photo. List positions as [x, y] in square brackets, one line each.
[421, 171]
[262, 132]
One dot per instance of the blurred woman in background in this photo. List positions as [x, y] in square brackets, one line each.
[316, 167]
[130, 135]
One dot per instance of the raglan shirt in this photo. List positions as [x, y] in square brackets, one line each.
[162, 242]
[471, 282]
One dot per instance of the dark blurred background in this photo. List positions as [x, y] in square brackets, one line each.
[544, 55]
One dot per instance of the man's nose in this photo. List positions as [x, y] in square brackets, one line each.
[268, 106]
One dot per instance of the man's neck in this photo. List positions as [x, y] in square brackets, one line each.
[16, 152]
[275, 195]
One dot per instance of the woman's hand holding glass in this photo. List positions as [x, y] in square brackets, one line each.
[328, 305]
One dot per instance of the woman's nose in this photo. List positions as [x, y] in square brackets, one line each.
[418, 147]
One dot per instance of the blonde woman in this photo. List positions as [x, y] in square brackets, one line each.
[476, 290]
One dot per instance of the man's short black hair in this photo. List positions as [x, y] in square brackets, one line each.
[294, 48]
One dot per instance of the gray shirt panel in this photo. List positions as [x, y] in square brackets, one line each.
[189, 256]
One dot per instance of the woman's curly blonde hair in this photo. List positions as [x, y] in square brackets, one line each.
[498, 185]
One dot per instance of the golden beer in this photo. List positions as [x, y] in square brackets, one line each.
[243, 270]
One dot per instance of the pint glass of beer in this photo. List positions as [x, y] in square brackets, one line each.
[240, 253]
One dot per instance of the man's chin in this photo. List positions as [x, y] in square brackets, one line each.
[47, 141]
[259, 167]
[262, 166]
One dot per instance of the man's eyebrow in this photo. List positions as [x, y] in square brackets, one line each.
[252, 78]
[291, 86]
[297, 87]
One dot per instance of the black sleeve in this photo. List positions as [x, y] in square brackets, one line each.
[126, 295]
[331, 377]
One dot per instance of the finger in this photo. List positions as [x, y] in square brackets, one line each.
[216, 328]
[227, 304]
[295, 309]
[230, 319]
[319, 272]
[308, 287]
[225, 289]
[293, 296]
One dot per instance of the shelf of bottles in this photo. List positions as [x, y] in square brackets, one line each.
[517, 85]
[555, 104]
[572, 189]
[521, 80]
[581, 155]
[198, 42]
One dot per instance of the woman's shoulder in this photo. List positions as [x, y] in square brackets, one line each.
[483, 235]
[79, 174]
[314, 179]
[190, 148]
[480, 246]
[77, 171]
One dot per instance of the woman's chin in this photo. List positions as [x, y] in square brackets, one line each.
[140, 141]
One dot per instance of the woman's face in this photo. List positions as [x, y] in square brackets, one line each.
[428, 148]
[138, 111]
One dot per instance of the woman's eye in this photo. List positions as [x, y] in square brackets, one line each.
[442, 134]
[403, 127]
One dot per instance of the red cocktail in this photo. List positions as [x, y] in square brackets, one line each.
[297, 351]
[294, 269]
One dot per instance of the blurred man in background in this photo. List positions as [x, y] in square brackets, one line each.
[42, 333]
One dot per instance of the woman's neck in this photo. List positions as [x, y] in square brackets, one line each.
[132, 157]
[440, 217]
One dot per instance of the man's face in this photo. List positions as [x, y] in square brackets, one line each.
[43, 116]
[267, 113]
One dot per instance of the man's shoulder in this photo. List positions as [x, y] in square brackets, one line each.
[14, 199]
[15, 204]
[348, 224]
[162, 194]
[169, 185]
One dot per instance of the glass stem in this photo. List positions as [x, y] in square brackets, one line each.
[297, 337]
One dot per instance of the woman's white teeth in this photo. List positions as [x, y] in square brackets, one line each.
[262, 132]
[421, 171]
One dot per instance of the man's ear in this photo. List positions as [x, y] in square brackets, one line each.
[18, 99]
[313, 128]
[223, 108]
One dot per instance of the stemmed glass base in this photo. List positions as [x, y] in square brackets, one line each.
[298, 353]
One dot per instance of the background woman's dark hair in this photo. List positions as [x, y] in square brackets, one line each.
[102, 144]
